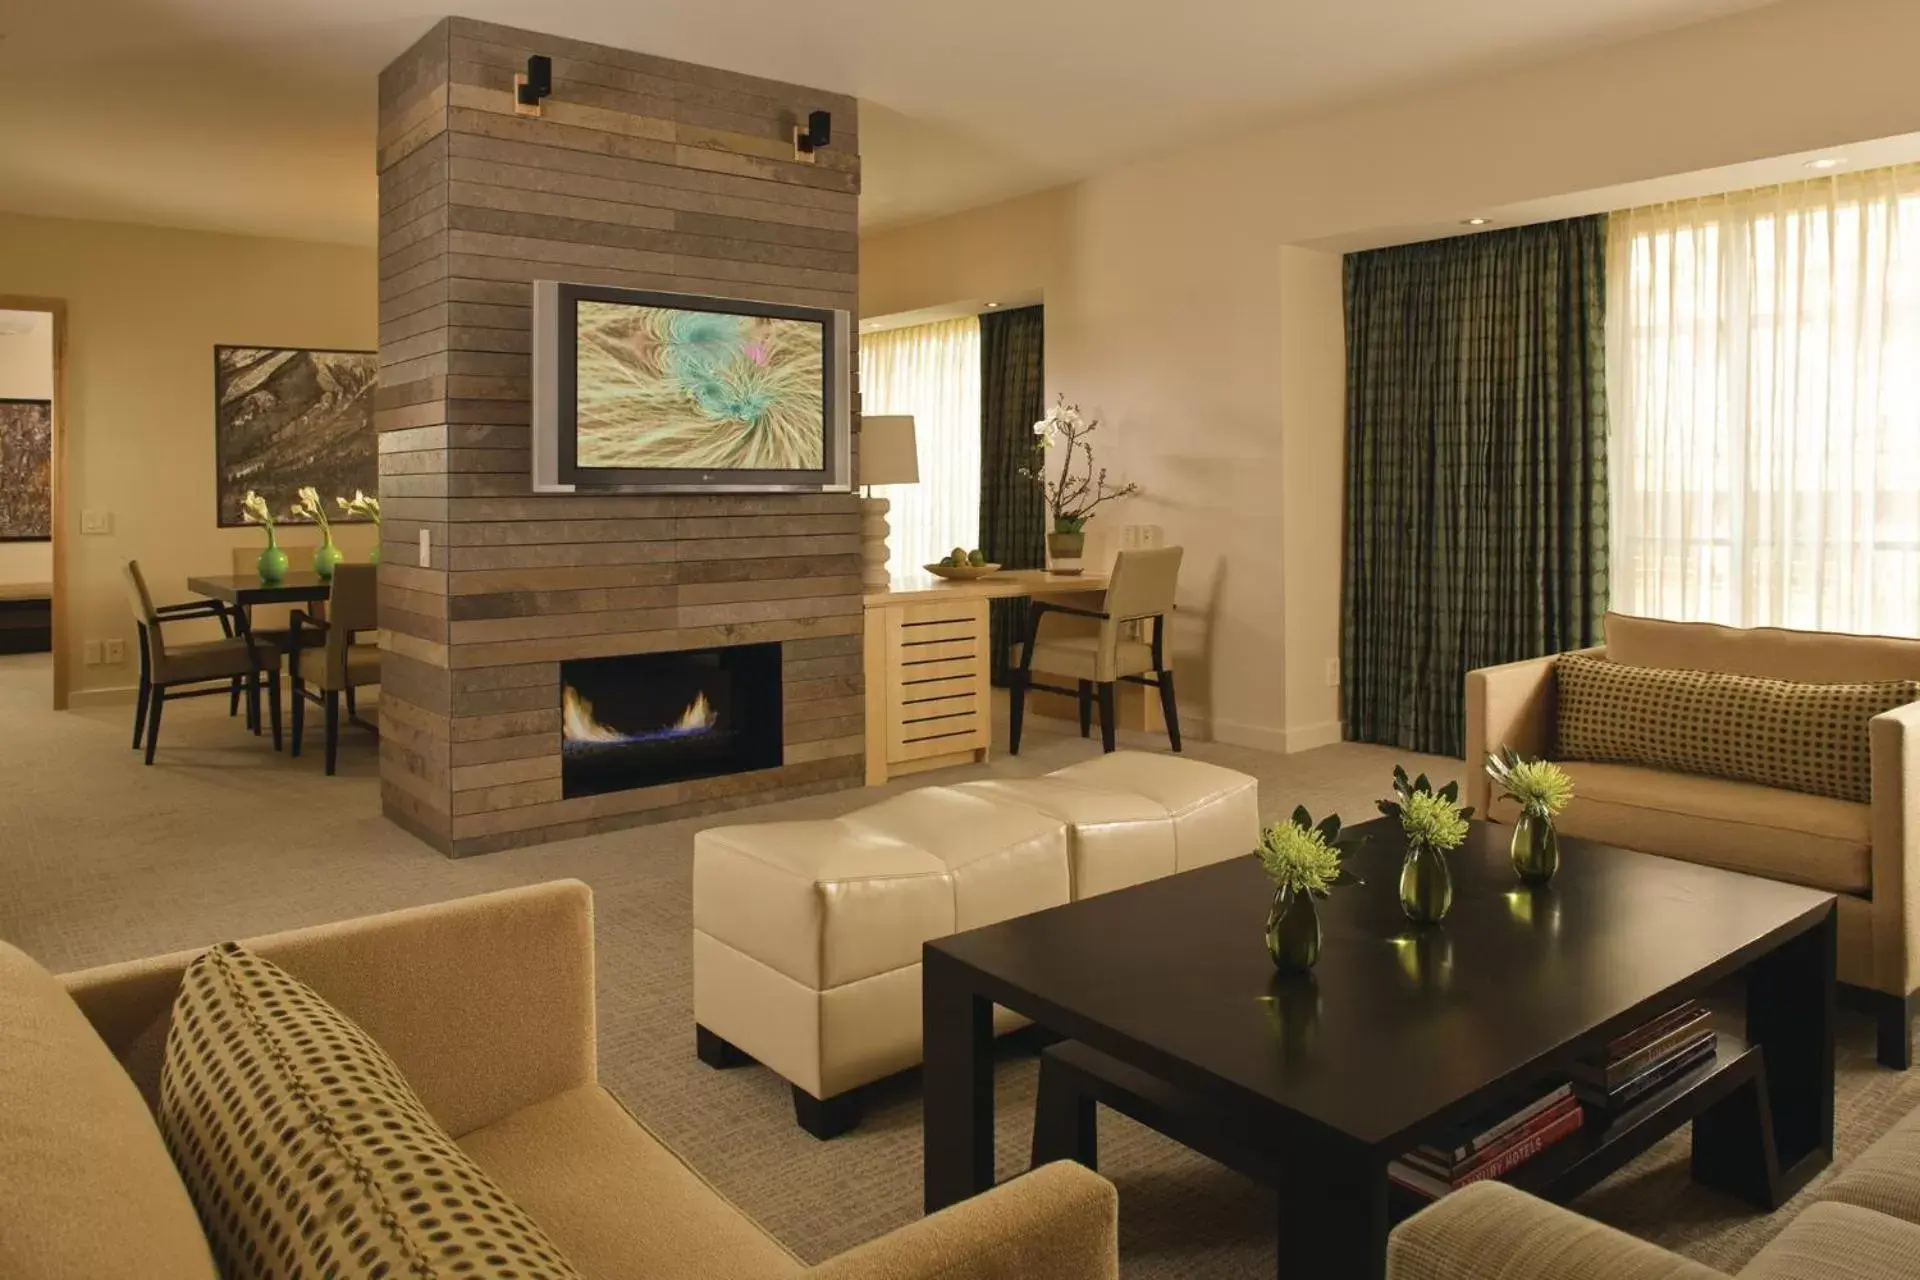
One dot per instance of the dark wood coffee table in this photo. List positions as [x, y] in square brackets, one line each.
[1401, 1032]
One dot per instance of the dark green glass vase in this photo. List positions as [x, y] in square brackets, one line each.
[1426, 885]
[1293, 932]
[1536, 848]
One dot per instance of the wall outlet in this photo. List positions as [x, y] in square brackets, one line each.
[90, 653]
[96, 522]
[114, 651]
[1333, 673]
[426, 549]
[1129, 537]
[1152, 535]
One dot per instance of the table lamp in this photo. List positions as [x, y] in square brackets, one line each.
[887, 456]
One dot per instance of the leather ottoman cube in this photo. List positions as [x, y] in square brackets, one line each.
[1215, 811]
[807, 934]
[1116, 838]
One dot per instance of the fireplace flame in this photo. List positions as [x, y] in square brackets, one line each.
[579, 724]
[698, 715]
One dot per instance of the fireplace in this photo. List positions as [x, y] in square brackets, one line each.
[652, 718]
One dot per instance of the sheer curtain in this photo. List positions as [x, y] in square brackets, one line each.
[1764, 380]
[931, 371]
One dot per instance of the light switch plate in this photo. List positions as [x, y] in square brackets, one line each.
[96, 522]
[90, 653]
[426, 549]
[1333, 673]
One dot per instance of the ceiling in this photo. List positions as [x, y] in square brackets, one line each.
[259, 117]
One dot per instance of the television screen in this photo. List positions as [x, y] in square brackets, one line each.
[660, 392]
[697, 390]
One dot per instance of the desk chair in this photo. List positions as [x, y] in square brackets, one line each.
[1141, 588]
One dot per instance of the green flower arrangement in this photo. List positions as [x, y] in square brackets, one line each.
[1301, 856]
[1435, 823]
[1434, 819]
[1540, 787]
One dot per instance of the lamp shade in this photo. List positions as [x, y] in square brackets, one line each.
[887, 455]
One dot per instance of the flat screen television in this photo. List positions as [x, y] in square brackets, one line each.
[643, 392]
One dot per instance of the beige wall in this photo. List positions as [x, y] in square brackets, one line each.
[26, 373]
[145, 308]
[1216, 359]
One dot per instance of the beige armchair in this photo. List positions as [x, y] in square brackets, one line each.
[1866, 854]
[487, 1005]
[1140, 589]
[329, 654]
[195, 668]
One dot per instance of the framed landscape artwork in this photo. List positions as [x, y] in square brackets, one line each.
[287, 417]
[26, 470]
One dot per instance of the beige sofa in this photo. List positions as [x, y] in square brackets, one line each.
[1868, 854]
[487, 1006]
[1863, 1225]
[807, 935]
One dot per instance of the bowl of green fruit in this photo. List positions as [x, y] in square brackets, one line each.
[963, 564]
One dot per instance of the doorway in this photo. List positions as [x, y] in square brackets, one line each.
[32, 449]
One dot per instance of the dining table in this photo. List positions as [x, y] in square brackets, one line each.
[242, 593]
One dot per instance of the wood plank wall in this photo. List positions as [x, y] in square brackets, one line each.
[646, 173]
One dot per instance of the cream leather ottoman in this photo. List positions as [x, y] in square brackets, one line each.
[1114, 838]
[806, 935]
[1215, 812]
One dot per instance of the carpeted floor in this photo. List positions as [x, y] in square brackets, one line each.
[102, 859]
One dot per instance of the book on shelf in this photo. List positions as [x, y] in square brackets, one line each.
[1413, 1173]
[1462, 1146]
[1700, 1048]
[1665, 1037]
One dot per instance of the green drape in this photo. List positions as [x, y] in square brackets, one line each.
[1013, 530]
[1477, 469]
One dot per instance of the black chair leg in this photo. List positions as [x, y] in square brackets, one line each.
[233, 696]
[1169, 709]
[157, 701]
[299, 714]
[1895, 1032]
[1016, 708]
[1086, 708]
[333, 728]
[353, 712]
[253, 702]
[140, 709]
[1106, 715]
[273, 704]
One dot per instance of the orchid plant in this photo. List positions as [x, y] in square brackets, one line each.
[1072, 497]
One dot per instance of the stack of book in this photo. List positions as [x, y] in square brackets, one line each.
[1491, 1148]
[1639, 1062]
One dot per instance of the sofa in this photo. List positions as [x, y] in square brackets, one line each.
[1867, 854]
[807, 935]
[1864, 1224]
[487, 1005]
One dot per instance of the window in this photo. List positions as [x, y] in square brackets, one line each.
[1764, 386]
[931, 371]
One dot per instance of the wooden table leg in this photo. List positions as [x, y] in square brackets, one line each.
[1333, 1215]
[956, 1083]
[1790, 1016]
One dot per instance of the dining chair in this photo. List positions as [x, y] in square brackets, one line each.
[1141, 588]
[184, 670]
[327, 654]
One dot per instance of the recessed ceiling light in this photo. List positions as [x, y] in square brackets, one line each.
[992, 305]
[1475, 222]
[1827, 162]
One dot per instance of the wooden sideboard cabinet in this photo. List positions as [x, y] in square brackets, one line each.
[927, 667]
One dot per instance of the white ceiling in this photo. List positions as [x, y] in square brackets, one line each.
[258, 115]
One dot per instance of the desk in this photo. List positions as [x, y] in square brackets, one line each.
[927, 666]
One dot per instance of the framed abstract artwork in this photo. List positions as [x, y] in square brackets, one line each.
[285, 417]
[26, 470]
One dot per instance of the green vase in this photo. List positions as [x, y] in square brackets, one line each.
[326, 557]
[1426, 885]
[373, 556]
[1293, 932]
[1536, 848]
[272, 564]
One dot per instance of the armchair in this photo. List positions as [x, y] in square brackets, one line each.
[487, 1006]
[325, 653]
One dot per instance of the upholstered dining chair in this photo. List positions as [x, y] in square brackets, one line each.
[327, 658]
[1141, 588]
[191, 669]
